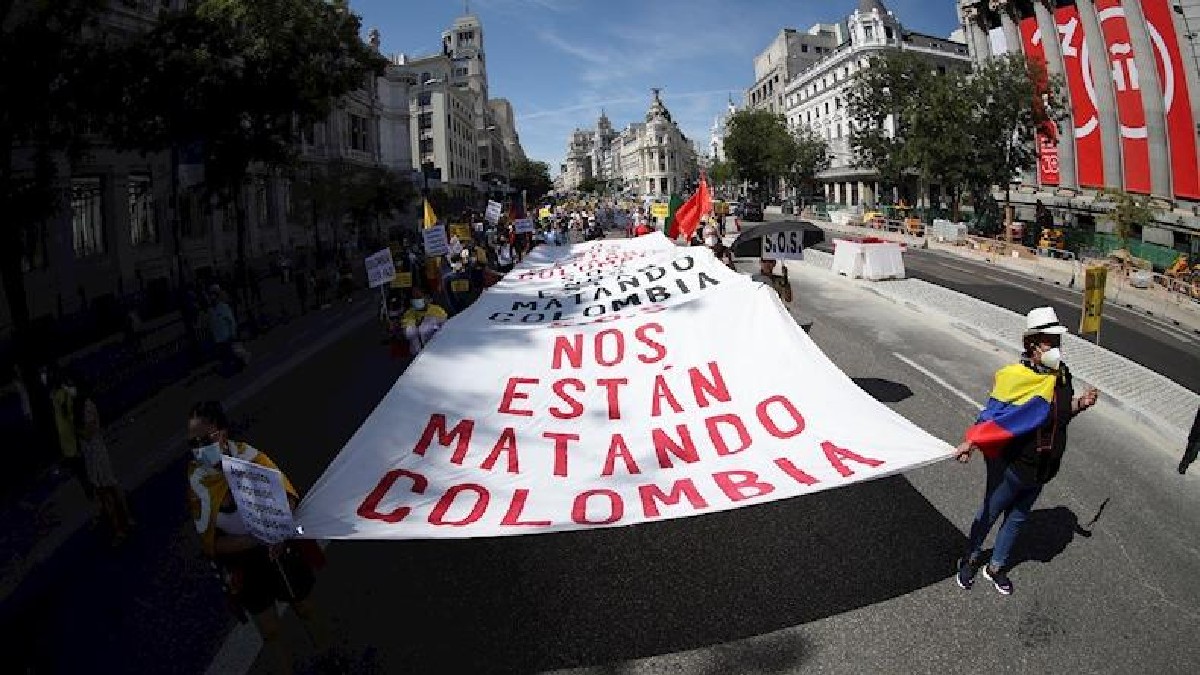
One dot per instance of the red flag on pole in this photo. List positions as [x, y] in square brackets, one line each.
[687, 218]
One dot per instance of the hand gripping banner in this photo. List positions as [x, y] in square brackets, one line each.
[607, 384]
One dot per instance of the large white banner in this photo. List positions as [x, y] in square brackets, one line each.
[606, 384]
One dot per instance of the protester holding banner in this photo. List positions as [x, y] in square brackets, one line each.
[722, 252]
[421, 322]
[256, 575]
[1022, 433]
[781, 283]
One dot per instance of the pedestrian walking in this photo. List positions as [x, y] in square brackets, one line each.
[1193, 446]
[223, 326]
[90, 435]
[1022, 434]
[63, 393]
[255, 575]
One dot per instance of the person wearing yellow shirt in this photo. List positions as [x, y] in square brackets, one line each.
[421, 322]
[256, 575]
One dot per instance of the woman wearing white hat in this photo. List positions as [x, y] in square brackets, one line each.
[1022, 433]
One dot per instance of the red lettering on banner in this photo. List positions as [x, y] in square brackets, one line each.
[1047, 135]
[703, 387]
[438, 515]
[618, 348]
[659, 352]
[685, 449]
[516, 508]
[742, 485]
[571, 348]
[769, 424]
[1135, 148]
[507, 445]
[614, 401]
[1089, 148]
[718, 439]
[662, 392]
[562, 443]
[370, 506]
[608, 346]
[461, 433]
[575, 407]
[836, 454]
[792, 471]
[617, 447]
[1181, 130]
[511, 394]
[682, 489]
[579, 508]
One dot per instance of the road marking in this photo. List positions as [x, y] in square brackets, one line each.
[949, 387]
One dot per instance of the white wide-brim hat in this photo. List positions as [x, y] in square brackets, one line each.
[1043, 320]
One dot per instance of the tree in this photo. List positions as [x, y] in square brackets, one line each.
[758, 145]
[245, 77]
[531, 177]
[1129, 212]
[592, 186]
[53, 59]
[721, 173]
[884, 102]
[807, 155]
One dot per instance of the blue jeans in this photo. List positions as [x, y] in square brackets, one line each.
[1008, 494]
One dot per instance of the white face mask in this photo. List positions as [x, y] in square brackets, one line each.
[418, 303]
[1052, 358]
[208, 455]
[710, 241]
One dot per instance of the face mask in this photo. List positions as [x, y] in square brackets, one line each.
[418, 303]
[711, 241]
[208, 455]
[1052, 358]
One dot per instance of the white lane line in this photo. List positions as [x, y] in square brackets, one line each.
[949, 387]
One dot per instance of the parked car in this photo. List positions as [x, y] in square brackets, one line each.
[752, 212]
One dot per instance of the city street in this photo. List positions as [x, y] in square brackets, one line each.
[857, 579]
[1156, 344]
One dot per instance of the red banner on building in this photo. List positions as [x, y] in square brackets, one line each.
[1180, 127]
[1047, 136]
[1089, 149]
[1135, 149]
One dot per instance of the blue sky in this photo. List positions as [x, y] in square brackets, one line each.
[560, 61]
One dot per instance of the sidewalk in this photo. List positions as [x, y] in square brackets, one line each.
[1155, 301]
[1152, 399]
[150, 436]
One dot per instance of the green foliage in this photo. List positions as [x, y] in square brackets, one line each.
[807, 154]
[593, 186]
[333, 192]
[759, 146]
[531, 176]
[1129, 211]
[722, 172]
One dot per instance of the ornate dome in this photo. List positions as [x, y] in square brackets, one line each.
[657, 109]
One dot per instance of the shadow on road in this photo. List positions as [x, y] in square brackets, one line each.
[1049, 532]
[884, 391]
[543, 602]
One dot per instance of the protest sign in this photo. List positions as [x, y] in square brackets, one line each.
[523, 226]
[461, 230]
[261, 499]
[783, 246]
[1095, 281]
[436, 242]
[380, 268]
[607, 384]
[492, 212]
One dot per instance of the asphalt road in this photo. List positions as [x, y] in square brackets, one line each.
[853, 580]
[1154, 343]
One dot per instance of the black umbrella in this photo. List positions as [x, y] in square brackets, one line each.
[784, 233]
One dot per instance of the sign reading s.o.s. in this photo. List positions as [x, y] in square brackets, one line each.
[783, 246]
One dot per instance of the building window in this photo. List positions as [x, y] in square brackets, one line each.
[941, 70]
[887, 30]
[142, 226]
[426, 145]
[804, 49]
[869, 31]
[87, 216]
[460, 72]
[425, 121]
[359, 137]
[424, 98]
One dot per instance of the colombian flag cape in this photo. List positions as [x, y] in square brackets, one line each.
[1019, 404]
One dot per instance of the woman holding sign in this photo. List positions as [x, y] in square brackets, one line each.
[256, 575]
